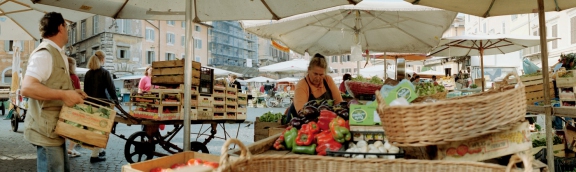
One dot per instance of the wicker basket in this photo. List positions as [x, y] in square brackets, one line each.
[454, 119]
[355, 88]
[437, 96]
[306, 163]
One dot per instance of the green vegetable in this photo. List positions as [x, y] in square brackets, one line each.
[542, 141]
[290, 138]
[310, 150]
[428, 88]
[270, 117]
[373, 80]
[473, 86]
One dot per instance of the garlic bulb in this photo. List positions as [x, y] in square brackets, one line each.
[371, 146]
[351, 145]
[387, 145]
[394, 149]
[382, 150]
[378, 144]
[362, 143]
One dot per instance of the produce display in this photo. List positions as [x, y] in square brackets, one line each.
[270, 117]
[373, 80]
[427, 88]
[312, 110]
[102, 112]
[567, 61]
[191, 163]
[356, 88]
[473, 86]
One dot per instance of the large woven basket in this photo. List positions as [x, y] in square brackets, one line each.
[307, 163]
[356, 88]
[437, 96]
[454, 119]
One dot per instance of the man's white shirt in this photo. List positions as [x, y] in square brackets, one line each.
[40, 63]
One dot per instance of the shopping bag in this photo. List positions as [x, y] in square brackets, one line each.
[529, 67]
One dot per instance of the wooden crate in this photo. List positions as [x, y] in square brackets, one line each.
[230, 115]
[242, 108]
[219, 93]
[231, 108]
[261, 128]
[219, 115]
[174, 63]
[535, 88]
[173, 80]
[205, 113]
[93, 121]
[241, 116]
[167, 161]
[231, 101]
[193, 114]
[219, 108]
[219, 101]
[172, 72]
[231, 94]
[177, 96]
[565, 82]
[204, 101]
[242, 99]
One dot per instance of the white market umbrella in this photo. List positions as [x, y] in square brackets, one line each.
[260, 79]
[296, 65]
[20, 19]
[432, 72]
[376, 26]
[195, 11]
[480, 45]
[378, 70]
[288, 79]
[222, 72]
[485, 8]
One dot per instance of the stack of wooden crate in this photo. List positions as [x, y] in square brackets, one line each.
[231, 103]
[242, 106]
[172, 72]
[566, 87]
[535, 88]
[219, 96]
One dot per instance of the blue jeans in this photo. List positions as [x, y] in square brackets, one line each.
[52, 159]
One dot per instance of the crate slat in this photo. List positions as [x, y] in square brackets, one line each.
[87, 119]
[85, 136]
[170, 63]
[173, 80]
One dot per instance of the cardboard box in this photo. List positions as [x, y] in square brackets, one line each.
[490, 146]
[167, 161]
[362, 114]
[204, 101]
[93, 121]
[205, 113]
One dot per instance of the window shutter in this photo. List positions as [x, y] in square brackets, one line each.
[7, 45]
[128, 54]
[200, 44]
[118, 53]
[127, 26]
[167, 38]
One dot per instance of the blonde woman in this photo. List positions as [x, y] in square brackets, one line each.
[98, 84]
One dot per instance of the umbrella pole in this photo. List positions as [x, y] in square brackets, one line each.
[188, 73]
[482, 65]
[547, 107]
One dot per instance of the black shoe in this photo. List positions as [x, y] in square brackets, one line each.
[103, 153]
[97, 159]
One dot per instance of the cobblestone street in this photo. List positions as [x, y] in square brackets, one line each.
[16, 154]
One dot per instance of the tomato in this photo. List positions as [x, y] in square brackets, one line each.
[213, 165]
[178, 165]
[195, 162]
[157, 169]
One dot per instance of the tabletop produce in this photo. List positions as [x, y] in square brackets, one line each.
[270, 117]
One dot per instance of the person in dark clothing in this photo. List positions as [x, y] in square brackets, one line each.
[233, 82]
[98, 84]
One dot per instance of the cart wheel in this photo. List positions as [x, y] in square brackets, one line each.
[14, 121]
[198, 147]
[139, 144]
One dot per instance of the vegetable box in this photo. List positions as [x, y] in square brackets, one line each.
[172, 72]
[97, 119]
[204, 101]
[535, 88]
[241, 116]
[205, 113]
[168, 161]
[362, 114]
[490, 146]
[261, 128]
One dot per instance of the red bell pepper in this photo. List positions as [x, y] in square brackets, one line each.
[339, 122]
[305, 136]
[325, 118]
[323, 137]
[278, 144]
[331, 145]
[314, 127]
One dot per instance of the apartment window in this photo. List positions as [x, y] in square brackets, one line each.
[170, 38]
[573, 30]
[95, 25]
[170, 56]
[123, 52]
[9, 45]
[334, 59]
[150, 56]
[555, 34]
[82, 57]
[123, 26]
[197, 28]
[150, 35]
[182, 40]
[345, 58]
[183, 25]
[127, 26]
[171, 22]
[503, 28]
[197, 59]
[198, 43]
[83, 30]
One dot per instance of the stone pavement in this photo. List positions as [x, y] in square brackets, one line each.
[16, 154]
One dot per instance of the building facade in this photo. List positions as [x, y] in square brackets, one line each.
[232, 49]
[6, 56]
[268, 54]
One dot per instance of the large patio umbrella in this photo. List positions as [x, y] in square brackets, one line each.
[260, 79]
[487, 8]
[222, 72]
[296, 65]
[20, 19]
[480, 45]
[375, 26]
[195, 11]
[288, 79]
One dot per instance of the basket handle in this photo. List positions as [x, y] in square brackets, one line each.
[224, 158]
[519, 157]
[518, 80]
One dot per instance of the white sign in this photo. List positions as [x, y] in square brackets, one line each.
[248, 62]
